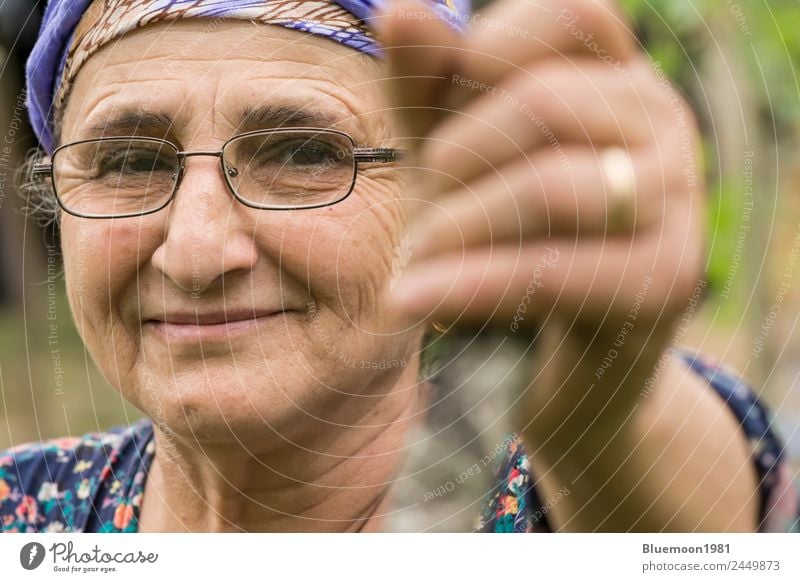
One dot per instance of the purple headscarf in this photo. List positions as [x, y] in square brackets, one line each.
[51, 59]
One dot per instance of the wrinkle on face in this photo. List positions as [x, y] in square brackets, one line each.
[338, 258]
[316, 69]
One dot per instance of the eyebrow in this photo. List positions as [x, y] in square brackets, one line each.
[135, 122]
[271, 116]
[252, 118]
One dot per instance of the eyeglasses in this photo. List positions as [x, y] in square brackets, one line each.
[275, 169]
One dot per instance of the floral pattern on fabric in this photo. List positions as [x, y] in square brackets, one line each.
[513, 505]
[92, 483]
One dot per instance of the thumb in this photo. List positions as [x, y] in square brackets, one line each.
[423, 52]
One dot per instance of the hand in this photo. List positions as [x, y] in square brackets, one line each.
[511, 130]
[521, 214]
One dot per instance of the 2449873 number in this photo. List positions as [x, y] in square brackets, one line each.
[756, 565]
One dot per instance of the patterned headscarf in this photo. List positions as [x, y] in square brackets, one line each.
[73, 30]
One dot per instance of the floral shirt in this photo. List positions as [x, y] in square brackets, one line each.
[95, 483]
[92, 483]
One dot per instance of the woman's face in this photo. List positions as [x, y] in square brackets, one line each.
[318, 277]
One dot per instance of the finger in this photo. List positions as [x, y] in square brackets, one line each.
[422, 53]
[421, 46]
[556, 104]
[509, 35]
[548, 193]
[597, 279]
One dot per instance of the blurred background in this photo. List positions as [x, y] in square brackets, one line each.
[736, 62]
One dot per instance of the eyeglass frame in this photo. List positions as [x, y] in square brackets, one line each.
[43, 170]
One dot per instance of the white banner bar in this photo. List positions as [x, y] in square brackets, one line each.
[400, 557]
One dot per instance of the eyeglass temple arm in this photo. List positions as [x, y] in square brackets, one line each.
[383, 155]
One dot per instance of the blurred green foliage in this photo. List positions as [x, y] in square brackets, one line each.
[765, 35]
[757, 37]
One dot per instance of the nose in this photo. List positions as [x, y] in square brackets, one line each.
[208, 234]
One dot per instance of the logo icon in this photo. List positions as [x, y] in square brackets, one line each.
[31, 555]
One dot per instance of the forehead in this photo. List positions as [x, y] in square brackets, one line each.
[200, 76]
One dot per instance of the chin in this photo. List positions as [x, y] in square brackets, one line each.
[211, 402]
[256, 395]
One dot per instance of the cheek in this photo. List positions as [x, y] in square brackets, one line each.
[346, 251]
[101, 257]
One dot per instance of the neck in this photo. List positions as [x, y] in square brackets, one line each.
[335, 480]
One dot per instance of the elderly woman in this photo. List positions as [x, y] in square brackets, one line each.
[265, 205]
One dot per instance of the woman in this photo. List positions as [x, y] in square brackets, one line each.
[249, 286]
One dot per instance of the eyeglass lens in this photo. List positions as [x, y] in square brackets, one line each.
[129, 176]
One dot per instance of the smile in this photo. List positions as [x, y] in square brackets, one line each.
[208, 327]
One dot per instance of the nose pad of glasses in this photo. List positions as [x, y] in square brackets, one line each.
[176, 175]
[231, 171]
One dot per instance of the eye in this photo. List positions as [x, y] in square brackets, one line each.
[309, 154]
[296, 152]
[127, 160]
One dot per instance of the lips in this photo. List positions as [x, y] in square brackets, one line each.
[213, 317]
[208, 325]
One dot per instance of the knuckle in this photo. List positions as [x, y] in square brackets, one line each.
[545, 86]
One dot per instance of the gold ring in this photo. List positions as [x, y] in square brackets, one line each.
[620, 185]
